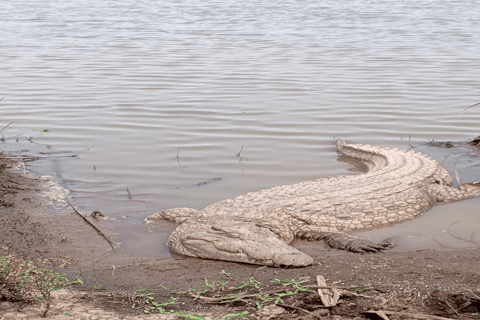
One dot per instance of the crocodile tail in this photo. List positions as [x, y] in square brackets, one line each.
[377, 159]
[370, 156]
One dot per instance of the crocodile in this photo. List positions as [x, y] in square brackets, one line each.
[257, 227]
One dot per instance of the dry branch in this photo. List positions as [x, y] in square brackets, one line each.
[94, 227]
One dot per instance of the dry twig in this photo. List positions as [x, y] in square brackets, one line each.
[298, 308]
[476, 104]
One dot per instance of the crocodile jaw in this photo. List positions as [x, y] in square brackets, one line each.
[238, 242]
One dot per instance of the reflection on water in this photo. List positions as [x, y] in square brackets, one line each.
[160, 96]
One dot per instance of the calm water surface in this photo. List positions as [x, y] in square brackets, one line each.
[162, 96]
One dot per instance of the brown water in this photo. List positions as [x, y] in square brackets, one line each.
[128, 86]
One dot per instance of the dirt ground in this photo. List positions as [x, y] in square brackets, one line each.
[424, 284]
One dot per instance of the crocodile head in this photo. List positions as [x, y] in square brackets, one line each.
[236, 241]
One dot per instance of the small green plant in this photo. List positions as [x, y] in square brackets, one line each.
[265, 297]
[232, 297]
[97, 287]
[364, 288]
[221, 283]
[208, 284]
[225, 273]
[297, 284]
[179, 292]
[159, 306]
[215, 284]
[250, 282]
[241, 294]
[199, 293]
[240, 315]
[38, 135]
[146, 296]
[30, 281]
[152, 306]
[189, 316]
[287, 282]
[286, 294]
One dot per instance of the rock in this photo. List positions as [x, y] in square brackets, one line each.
[5, 305]
[270, 312]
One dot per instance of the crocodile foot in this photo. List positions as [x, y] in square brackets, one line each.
[343, 241]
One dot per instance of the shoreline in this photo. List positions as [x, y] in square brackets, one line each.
[423, 282]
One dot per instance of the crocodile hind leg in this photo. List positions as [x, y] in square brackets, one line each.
[174, 214]
[342, 241]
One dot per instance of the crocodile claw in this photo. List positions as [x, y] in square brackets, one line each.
[343, 241]
[365, 246]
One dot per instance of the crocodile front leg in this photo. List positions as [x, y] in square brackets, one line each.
[342, 241]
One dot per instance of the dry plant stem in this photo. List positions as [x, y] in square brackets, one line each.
[238, 154]
[445, 159]
[476, 297]
[47, 307]
[298, 308]
[451, 307]
[7, 126]
[178, 157]
[476, 104]
[23, 158]
[94, 227]
[382, 315]
[411, 315]
[214, 300]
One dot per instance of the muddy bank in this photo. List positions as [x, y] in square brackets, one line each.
[37, 222]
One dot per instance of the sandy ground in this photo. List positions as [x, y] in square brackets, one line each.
[426, 284]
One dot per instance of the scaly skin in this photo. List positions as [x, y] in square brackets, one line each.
[257, 227]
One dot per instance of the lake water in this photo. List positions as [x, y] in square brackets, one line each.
[190, 102]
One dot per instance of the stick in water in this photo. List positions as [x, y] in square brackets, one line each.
[94, 227]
